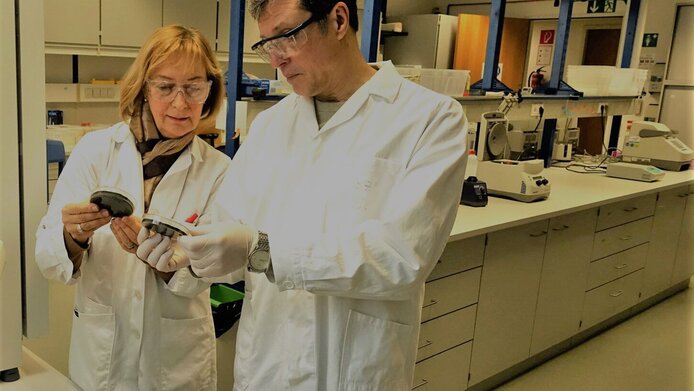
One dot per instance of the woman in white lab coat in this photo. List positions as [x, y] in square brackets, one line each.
[135, 327]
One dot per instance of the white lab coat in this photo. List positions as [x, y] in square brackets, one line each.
[130, 330]
[357, 214]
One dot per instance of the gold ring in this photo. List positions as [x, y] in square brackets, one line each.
[79, 228]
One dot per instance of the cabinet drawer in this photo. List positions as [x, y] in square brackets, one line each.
[610, 299]
[611, 268]
[620, 238]
[451, 293]
[459, 256]
[447, 371]
[445, 332]
[625, 211]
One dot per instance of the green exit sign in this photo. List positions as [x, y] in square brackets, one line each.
[601, 6]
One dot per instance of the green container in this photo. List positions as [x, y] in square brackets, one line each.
[220, 294]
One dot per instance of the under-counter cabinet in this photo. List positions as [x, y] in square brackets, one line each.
[448, 317]
[667, 222]
[562, 284]
[620, 247]
[684, 261]
[508, 297]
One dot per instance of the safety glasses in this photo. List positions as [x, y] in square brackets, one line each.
[166, 91]
[283, 44]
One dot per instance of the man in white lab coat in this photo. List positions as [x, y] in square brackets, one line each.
[343, 194]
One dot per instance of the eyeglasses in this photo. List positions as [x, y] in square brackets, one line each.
[283, 44]
[166, 91]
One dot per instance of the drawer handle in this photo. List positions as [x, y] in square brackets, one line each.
[622, 266]
[432, 302]
[628, 237]
[618, 293]
[563, 227]
[422, 384]
[630, 209]
[427, 343]
[683, 195]
[537, 235]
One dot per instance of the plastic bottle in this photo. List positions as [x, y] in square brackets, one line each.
[471, 166]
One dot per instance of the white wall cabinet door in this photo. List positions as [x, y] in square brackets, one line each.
[684, 261]
[508, 296]
[564, 272]
[200, 14]
[662, 251]
[250, 29]
[128, 23]
[71, 22]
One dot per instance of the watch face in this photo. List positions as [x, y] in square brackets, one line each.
[259, 260]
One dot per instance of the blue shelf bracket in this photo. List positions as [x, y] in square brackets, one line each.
[556, 85]
[630, 34]
[372, 25]
[233, 82]
[489, 81]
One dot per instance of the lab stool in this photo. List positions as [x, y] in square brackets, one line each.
[55, 153]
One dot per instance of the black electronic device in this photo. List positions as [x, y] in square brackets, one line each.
[474, 192]
[117, 202]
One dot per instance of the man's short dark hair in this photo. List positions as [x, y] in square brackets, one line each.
[318, 8]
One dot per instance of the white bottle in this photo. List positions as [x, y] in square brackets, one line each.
[471, 166]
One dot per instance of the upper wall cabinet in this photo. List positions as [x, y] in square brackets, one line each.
[128, 23]
[250, 30]
[72, 21]
[200, 14]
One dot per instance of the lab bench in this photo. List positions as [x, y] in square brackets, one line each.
[519, 283]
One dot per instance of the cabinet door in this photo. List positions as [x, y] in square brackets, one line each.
[250, 29]
[684, 261]
[73, 22]
[129, 23]
[201, 14]
[564, 272]
[508, 296]
[662, 251]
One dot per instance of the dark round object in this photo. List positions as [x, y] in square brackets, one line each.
[164, 226]
[114, 201]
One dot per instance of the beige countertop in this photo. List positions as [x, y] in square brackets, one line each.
[571, 192]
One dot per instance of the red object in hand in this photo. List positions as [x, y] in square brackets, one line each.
[192, 218]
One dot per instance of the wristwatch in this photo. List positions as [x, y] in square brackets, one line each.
[259, 258]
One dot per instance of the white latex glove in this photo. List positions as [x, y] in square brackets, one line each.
[218, 249]
[160, 252]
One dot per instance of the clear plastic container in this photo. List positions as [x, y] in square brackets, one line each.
[597, 80]
[451, 82]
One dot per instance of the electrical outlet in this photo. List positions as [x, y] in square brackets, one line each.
[602, 108]
[535, 109]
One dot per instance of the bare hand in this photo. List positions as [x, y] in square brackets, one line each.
[125, 229]
[81, 220]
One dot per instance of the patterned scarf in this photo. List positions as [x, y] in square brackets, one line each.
[158, 153]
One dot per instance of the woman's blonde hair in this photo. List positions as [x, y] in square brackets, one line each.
[161, 45]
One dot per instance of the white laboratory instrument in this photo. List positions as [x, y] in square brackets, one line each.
[492, 141]
[637, 172]
[654, 143]
[564, 143]
[519, 180]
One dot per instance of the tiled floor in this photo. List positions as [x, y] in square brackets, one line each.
[651, 351]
